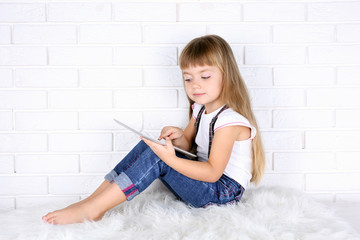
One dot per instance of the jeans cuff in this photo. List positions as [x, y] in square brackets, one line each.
[111, 176]
[125, 184]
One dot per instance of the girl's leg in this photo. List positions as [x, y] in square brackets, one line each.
[137, 172]
[92, 209]
[105, 184]
[82, 210]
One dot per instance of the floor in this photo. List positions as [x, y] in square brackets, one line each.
[349, 211]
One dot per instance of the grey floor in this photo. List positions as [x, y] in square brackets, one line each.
[349, 211]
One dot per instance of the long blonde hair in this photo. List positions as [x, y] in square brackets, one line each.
[212, 50]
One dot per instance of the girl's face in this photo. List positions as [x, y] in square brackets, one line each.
[203, 85]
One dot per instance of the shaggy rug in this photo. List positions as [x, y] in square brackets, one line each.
[269, 213]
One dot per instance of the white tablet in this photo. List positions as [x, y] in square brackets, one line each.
[154, 140]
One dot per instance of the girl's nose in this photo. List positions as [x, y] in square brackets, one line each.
[196, 85]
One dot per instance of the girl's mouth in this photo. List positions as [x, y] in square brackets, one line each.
[199, 94]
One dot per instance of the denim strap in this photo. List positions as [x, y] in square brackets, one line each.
[211, 126]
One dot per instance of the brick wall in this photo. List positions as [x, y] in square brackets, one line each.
[68, 68]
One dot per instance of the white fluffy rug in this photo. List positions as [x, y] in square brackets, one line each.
[267, 213]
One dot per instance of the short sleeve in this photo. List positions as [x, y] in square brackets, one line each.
[231, 118]
[196, 109]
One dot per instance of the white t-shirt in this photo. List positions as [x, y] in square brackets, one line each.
[240, 163]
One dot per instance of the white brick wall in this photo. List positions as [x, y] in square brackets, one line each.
[67, 68]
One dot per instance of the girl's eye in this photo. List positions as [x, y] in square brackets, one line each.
[205, 77]
[187, 79]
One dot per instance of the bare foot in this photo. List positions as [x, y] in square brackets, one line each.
[75, 214]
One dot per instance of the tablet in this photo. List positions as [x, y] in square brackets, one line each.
[154, 140]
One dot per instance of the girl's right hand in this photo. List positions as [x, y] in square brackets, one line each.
[171, 132]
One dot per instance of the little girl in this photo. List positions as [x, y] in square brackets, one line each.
[222, 126]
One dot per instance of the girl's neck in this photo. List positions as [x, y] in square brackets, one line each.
[209, 108]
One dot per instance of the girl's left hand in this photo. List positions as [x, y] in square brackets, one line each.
[165, 153]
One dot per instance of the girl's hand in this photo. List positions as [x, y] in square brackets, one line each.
[171, 132]
[165, 153]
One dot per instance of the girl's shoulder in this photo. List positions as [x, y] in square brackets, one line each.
[232, 118]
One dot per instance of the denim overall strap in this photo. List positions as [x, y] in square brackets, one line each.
[197, 122]
[211, 126]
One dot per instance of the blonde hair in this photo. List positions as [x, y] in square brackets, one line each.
[212, 50]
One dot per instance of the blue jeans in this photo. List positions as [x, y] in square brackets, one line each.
[142, 166]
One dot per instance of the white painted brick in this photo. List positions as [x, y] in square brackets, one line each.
[275, 55]
[5, 34]
[348, 161]
[172, 33]
[348, 75]
[292, 33]
[334, 11]
[163, 77]
[256, 76]
[348, 33]
[47, 163]
[6, 78]
[303, 118]
[332, 139]
[125, 141]
[19, 142]
[31, 202]
[80, 99]
[23, 56]
[114, 33]
[44, 34]
[74, 184]
[145, 56]
[6, 164]
[282, 140]
[79, 12]
[6, 120]
[242, 33]
[110, 77]
[304, 161]
[22, 12]
[132, 99]
[80, 142]
[287, 180]
[269, 163]
[23, 185]
[23, 99]
[183, 100]
[144, 12]
[203, 12]
[238, 54]
[346, 54]
[263, 118]
[40, 121]
[99, 163]
[157, 120]
[277, 97]
[274, 12]
[7, 204]
[104, 120]
[347, 118]
[304, 76]
[333, 182]
[46, 77]
[80, 56]
[333, 97]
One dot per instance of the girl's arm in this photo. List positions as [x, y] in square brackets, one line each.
[220, 153]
